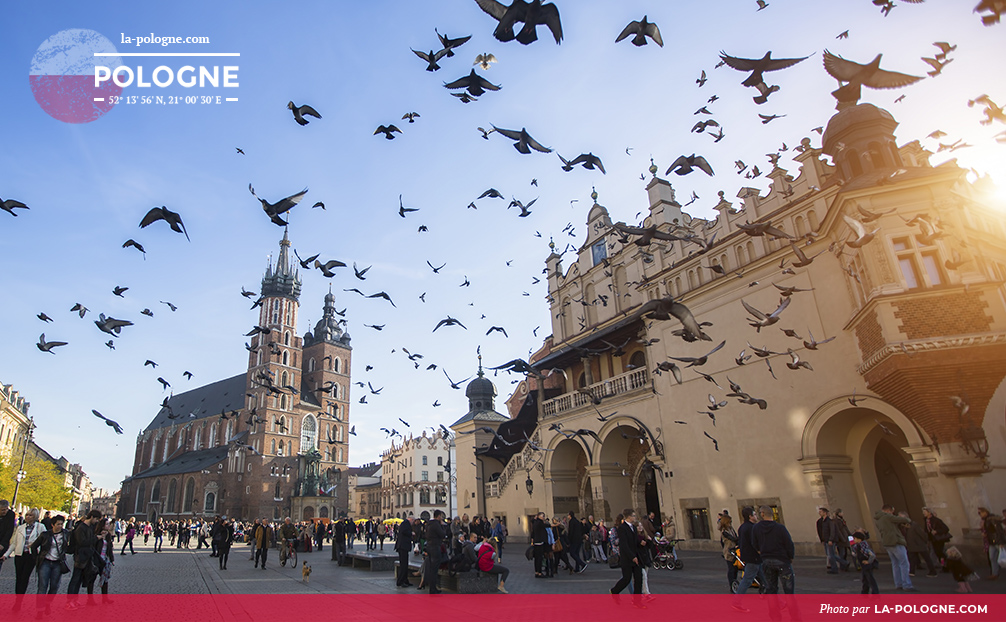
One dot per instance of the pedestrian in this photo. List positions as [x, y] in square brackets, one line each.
[605, 540]
[339, 540]
[148, 529]
[488, 557]
[288, 533]
[539, 540]
[917, 544]
[961, 571]
[320, 530]
[50, 550]
[403, 545]
[435, 536]
[158, 535]
[262, 539]
[499, 534]
[748, 554]
[224, 541]
[828, 534]
[130, 534]
[8, 521]
[894, 542]
[597, 553]
[993, 539]
[82, 545]
[25, 536]
[104, 551]
[382, 533]
[628, 556]
[938, 533]
[728, 543]
[867, 560]
[775, 545]
[844, 542]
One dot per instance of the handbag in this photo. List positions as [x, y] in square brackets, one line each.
[64, 568]
[557, 547]
[529, 553]
[613, 561]
[1002, 556]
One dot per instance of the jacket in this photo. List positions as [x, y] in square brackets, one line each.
[627, 545]
[17, 542]
[82, 541]
[890, 535]
[915, 538]
[749, 554]
[575, 531]
[44, 542]
[772, 541]
[435, 535]
[827, 531]
[993, 529]
[404, 540]
[7, 525]
[539, 533]
[485, 557]
[263, 536]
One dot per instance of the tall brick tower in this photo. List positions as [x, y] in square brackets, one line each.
[327, 377]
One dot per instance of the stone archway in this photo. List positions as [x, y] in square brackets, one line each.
[621, 451]
[860, 457]
[567, 469]
[308, 513]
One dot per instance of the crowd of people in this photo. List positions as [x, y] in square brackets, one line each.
[758, 552]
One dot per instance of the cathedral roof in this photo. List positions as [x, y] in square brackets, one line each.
[188, 462]
[206, 401]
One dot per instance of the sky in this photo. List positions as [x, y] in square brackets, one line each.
[88, 185]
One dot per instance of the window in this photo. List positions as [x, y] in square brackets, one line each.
[209, 503]
[440, 476]
[172, 490]
[424, 497]
[440, 461]
[425, 476]
[190, 492]
[914, 258]
[698, 523]
[286, 357]
[155, 494]
[196, 439]
[424, 460]
[141, 500]
[340, 455]
[335, 364]
[212, 441]
[280, 452]
[273, 446]
[285, 379]
[286, 338]
[599, 252]
[310, 364]
[441, 496]
[637, 360]
[277, 493]
[308, 434]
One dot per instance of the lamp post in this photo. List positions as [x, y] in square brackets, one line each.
[24, 452]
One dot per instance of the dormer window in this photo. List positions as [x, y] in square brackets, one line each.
[599, 252]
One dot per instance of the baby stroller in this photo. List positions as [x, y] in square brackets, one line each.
[758, 581]
[665, 557]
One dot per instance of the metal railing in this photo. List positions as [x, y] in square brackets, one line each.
[628, 382]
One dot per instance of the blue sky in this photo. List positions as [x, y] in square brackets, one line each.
[89, 185]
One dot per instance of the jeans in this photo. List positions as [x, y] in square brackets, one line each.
[776, 570]
[539, 556]
[49, 576]
[834, 561]
[574, 553]
[869, 581]
[598, 553]
[899, 566]
[994, 558]
[915, 563]
[78, 578]
[261, 554]
[158, 541]
[502, 571]
[751, 570]
[731, 574]
[129, 543]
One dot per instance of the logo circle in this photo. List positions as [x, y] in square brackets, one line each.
[62, 75]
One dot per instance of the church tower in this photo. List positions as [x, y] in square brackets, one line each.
[327, 360]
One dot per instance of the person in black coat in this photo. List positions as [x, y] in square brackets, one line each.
[7, 524]
[628, 555]
[435, 535]
[339, 540]
[539, 539]
[403, 544]
[574, 530]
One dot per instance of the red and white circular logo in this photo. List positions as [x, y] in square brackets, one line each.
[62, 75]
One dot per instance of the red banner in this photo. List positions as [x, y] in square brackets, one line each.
[498, 607]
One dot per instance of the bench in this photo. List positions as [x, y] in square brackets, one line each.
[470, 582]
[370, 561]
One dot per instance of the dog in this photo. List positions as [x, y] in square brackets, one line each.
[305, 573]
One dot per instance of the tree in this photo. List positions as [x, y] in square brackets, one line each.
[44, 485]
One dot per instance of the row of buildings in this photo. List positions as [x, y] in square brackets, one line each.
[894, 273]
[16, 441]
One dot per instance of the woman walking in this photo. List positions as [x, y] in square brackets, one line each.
[130, 534]
[728, 540]
[938, 532]
[158, 535]
[104, 551]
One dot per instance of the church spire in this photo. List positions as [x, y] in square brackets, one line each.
[282, 279]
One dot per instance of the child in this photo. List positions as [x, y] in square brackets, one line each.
[960, 570]
[867, 561]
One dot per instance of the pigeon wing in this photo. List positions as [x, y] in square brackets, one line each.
[493, 8]
[701, 164]
[839, 68]
[534, 144]
[630, 29]
[511, 134]
[882, 79]
[740, 64]
[287, 204]
[309, 111]
[781, 63]
[550, 17]
[654, 32]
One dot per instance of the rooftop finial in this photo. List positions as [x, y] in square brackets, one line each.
[551, 243]
[479, 350]
[653, 167]
[593, 194]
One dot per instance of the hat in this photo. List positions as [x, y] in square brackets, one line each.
[859, 535]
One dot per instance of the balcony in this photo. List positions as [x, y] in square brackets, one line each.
[616, 385]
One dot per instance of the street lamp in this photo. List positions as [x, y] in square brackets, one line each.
[529, 483]
[24, 452]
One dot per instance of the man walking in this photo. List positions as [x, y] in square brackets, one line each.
[775, 546]
[7, 523]
[339, 540]
[574, 531]
[435, 535]
[263, 539]
[82, 542]
[827, 533]
[992, 534]
[894, 542]
[748, 553]
[403, 544]
[539, 540]
[628, 555]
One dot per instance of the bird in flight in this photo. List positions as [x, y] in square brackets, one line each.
[449, 44]
[115, 426]
[47, 346]
[173, 219]
[110, 325]
[431, 58]
[856, 76]
[402, 210]
[474, 85]
[641, 30]
[119, 290]
[684, 165]
[387, 130]
[587, 160]
[136, 245]
[484, 60]
[300, 111]
[531, 14]
[524, 140]
[757, 67]
[449, 321]
[766, 118]
[273, 210]
[761, 320]
[410, 116]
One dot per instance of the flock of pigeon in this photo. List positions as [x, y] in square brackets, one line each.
[520, 21]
